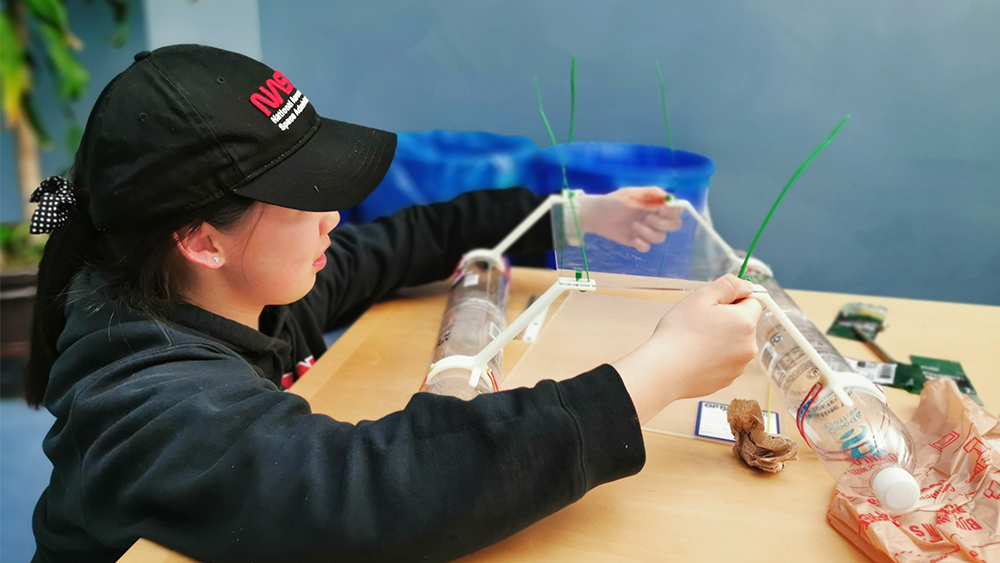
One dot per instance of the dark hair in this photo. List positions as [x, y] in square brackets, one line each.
[135, 263]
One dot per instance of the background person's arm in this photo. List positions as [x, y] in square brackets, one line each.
[418, 245]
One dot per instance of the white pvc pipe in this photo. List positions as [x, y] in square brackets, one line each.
[495, 255]
[528, 222]
[683, 203]
[476, 365]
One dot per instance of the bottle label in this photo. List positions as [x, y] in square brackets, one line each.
[767, 356]
[858, 441]
[847, 432]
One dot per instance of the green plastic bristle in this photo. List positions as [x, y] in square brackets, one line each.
[795, 176]
[552, 137]
[579, 231]
[541, 110]
[663, 104]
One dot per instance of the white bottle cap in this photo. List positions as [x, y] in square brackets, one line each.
[895, 488]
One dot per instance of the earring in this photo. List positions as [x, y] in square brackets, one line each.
[215, 259]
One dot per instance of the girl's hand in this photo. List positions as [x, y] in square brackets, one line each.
[700, 346]
[635, 217]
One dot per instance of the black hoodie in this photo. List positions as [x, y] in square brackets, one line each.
[177, 430]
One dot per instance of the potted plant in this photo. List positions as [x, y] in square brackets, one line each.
[35, 37]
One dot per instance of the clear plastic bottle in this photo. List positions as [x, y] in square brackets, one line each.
[473, 318]
[790, 370]
[865, 444]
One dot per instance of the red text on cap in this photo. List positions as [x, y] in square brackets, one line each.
[271, 98]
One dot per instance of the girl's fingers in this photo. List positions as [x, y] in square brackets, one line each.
[662, 223]
[670, 212]
[649, 234]
[641, 245]
[650, 198]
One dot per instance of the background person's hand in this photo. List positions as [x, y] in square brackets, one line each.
[700, 346]
[635, 217]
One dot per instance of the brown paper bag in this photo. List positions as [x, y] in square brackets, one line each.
[958, 469]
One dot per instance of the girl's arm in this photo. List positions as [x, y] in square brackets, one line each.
[206, 458]
[417, 245]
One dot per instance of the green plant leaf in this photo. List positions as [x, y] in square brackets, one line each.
[14, 71]
[120, 11]
[31, 112]
[71, 76]
[6, 234]
[51, 12]
[19, 246]
[74, 134]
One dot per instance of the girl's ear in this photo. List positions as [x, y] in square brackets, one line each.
[202, 247]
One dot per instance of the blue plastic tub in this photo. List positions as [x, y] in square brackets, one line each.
[434, 166]
[599, 168]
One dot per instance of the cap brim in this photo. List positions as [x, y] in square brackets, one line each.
[335, 169]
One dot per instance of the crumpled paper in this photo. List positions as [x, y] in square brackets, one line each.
[754, 446]
[958, 468]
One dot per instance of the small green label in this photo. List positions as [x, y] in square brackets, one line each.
[933, 368]
[867, 318]
[908, 377]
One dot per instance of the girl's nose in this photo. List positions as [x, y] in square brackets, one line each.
[330, 220]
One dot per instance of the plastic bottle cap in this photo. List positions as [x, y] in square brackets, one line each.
[896, 489]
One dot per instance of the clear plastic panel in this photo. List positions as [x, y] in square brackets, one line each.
[692, 252]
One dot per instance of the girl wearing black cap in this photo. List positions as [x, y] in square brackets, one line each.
[190, 276]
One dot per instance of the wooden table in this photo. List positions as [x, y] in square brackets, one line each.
[693, 501]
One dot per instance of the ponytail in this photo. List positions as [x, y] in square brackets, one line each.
[134, 263]
[69, 248]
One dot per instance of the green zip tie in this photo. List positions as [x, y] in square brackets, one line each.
[579, 230]
[569, 194]
[795, 176]
[663, 104]
[552, 136]
[572, 99]
[541, 110]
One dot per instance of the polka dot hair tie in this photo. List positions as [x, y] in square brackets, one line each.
[54, 198]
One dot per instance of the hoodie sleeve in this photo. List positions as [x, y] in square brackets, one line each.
[417, 245]
[207, 459]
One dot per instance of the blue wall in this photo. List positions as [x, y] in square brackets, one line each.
[154, 23]
[233, 25]
[92, 22]
[904, 203]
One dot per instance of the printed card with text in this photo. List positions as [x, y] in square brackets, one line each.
[713, 424]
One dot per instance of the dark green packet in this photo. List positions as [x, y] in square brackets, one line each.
[912, 377]
[868, 319]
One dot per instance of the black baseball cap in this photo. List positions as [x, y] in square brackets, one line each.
[187, 124]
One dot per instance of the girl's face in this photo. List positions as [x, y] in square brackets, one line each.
[273, 256]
